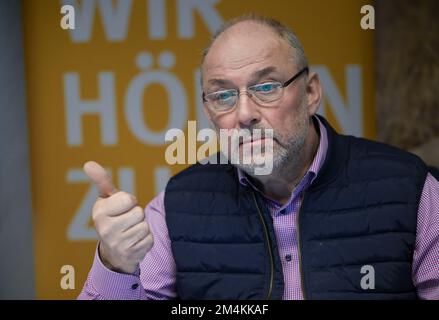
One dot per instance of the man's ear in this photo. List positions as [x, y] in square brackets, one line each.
[314, 93]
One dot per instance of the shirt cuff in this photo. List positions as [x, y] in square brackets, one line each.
[113, 285]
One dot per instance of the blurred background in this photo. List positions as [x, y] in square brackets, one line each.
[109, 90]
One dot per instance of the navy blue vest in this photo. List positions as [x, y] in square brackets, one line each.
[360, 211]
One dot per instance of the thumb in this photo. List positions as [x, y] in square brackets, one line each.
[100, 178]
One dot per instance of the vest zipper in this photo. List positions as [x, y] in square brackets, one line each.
[267, 237]
[302, 282]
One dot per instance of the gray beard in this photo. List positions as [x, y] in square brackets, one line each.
[286, 156]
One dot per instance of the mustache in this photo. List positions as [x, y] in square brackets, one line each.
[245, 135]
[248, 134]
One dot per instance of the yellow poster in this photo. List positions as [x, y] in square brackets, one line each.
[109, 89]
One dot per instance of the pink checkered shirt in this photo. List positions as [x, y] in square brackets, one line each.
[156, 276]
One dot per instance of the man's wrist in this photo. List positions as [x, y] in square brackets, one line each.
[124, 269]
[112, 284]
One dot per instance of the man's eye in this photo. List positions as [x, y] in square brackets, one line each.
[266, 87]
[222, 96]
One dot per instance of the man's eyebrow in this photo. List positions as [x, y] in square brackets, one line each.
[255, 77]
[219, 82]
[262, 73]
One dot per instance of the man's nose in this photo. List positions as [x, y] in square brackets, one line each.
[248, 110]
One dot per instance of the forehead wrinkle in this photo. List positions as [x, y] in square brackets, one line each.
[236, 64]
[218, 70]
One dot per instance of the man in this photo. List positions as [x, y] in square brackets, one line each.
[338, 217]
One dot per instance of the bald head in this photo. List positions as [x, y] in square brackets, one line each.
[244, 44]
[258, 28]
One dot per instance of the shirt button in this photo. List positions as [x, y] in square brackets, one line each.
[283, 212]
[135, 286]
[288, 257]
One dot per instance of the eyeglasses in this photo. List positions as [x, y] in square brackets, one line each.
[263, 94]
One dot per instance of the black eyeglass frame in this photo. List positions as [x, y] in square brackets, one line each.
[284, 85]
[297, 75]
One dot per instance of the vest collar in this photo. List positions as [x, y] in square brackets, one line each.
[335, 159]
